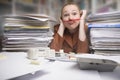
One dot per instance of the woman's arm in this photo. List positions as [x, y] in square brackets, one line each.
[61, 29]
[82, 34]
[57, 41]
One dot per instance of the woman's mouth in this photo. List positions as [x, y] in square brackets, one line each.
[71, 21]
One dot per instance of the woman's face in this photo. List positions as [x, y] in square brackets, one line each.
[71, 16]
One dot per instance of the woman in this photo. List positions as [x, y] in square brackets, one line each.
[71, 34]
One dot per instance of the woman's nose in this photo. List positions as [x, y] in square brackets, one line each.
[70, 17]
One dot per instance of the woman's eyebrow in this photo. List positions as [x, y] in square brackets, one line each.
[65, 11]
[74, 10]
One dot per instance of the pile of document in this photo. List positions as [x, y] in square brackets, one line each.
[27, 31]
[107, 17]
[2, 38]
[104, 31]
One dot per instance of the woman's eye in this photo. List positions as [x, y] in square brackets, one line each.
[74, 13]
[65, 15]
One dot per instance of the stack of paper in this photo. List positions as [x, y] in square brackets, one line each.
[25, 31]
[104, 34]
[1, 33]
[104, 17]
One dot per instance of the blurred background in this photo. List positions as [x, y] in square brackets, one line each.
[45, 7]
[53, 7]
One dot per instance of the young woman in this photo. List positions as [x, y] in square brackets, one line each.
[71, 34]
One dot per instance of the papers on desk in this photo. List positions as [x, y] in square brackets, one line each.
[104, 17]
[104, 31]
[97, 62]
[25, 31]
[41, 17]
[64, 59]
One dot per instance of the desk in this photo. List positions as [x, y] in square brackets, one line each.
[115, 75]
[57, 70]
[69, 71]
[16, 64]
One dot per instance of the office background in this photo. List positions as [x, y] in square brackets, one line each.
[53, 7]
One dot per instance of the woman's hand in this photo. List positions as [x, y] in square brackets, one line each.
[61, 28]
[61, 23]
[84, 13]
[82, 35]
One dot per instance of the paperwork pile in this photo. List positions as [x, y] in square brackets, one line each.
[107, 17]
[1, 33]
[104, 31]
[26, 31]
